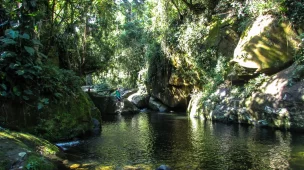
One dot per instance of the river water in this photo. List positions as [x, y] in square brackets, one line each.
[148, 140]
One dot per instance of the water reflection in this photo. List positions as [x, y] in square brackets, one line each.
[153, 139]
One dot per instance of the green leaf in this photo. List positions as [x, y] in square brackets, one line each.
[11, 33]
[45, 100]
[30, 50]
[7, 54]
[13, 65]
[25, 36]
[36, 42]
[8, 41]
[20, 72]
[42, 55]
[58, 95]
[40, 106]
[38, 67]
[25, 98]
[28, 76]
[3, 93]
[16, 91]
[28, 92]
[4, 86]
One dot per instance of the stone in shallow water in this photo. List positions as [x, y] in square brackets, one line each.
[163, 167]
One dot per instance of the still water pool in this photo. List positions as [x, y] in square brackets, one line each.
[148, 140]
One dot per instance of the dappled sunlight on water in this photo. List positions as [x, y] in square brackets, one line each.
[148, 140]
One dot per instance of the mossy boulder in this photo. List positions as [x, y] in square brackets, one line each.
[222, 34]
[156, 105]
[267, 45]
[279, 101]
[26, 151]
[68, 119]
[139, 100]
[108, 105]
[167, 86]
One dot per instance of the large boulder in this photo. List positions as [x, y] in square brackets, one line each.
[278, 103]
[223, 109]
[55, 121]
[108, 105]
[267, 46]
[105, 104]
[127, 107]
[140, 100]
[127, 93]
[26, 151]
[156, 105]
[169, 88]
[280, 100]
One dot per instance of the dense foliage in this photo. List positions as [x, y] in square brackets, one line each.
[48, 46]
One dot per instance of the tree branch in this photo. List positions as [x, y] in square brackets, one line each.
[180, 14]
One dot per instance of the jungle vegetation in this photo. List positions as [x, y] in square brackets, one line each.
[47, 47]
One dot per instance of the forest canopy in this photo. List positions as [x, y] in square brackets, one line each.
[49, 46]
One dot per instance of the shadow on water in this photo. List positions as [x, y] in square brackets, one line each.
[148, 140]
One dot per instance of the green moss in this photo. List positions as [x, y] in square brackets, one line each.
[39, 152]
[273, 47]
[246, 24]
[70, 118]
[213, 35]
[4, 163]
[38, 163]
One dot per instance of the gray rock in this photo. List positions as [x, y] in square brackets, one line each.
[163, 167]
[108, 105]
[139, 100]
[157, 106]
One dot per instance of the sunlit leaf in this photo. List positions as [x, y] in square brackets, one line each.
[29, 50]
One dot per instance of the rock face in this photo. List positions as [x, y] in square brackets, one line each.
[266, 46]
[278, 103]
[18, 150]
[108, 105]
[105, 104]
[225, 109]
[139, 100]
[55, 122]
[157, 105]
[167, 87]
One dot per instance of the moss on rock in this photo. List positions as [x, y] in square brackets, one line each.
[27, 151]
[68, 119]
[268, 44]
